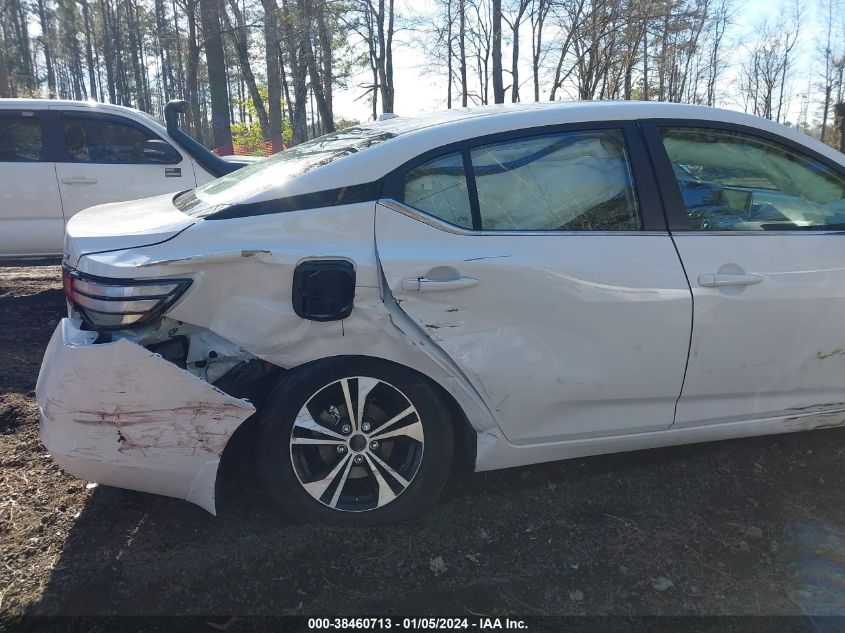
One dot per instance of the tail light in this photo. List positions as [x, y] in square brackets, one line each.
[113, 304]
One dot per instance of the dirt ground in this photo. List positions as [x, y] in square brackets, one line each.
[742, 527]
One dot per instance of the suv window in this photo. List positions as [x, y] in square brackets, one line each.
[105, 141]
[439, 187]
[572, 181]
[731, 181]
[20, 137]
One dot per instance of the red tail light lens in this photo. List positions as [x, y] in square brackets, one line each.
[67, 284]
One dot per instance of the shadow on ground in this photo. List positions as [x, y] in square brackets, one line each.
[751, 526]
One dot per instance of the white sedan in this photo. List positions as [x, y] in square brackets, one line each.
[500, 286]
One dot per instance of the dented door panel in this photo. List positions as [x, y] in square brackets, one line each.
[566, 336]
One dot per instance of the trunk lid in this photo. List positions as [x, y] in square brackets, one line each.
[122, 225]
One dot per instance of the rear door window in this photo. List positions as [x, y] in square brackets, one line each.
[566, 181]
[20, 137]
[572, 181]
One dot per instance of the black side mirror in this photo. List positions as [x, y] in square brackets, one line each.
[159, 152]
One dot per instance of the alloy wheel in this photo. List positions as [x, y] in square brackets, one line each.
[357, 444]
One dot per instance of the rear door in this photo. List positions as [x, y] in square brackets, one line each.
[758, 222]
[31, 220]
[107, 158]
[541, 264]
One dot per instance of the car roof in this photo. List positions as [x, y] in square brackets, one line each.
[502, 117]
[418, 134]
[58, 104]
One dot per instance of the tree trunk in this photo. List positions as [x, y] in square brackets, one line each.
[305, 26]
[135, 53]
[498, 83]
[217, 81]
[108, 52]
[240, 36]
[327, 56]
[274, 85]
[384, 59]
[48, 50]
[89, 52]
[645, 63]
[18, 18]
[523, 5]
[299, 118]
[180, 70]
[192, 72]
[5, 89]
[449, 54]
[370, 18]
[167, 80]
[539, 19]
[462, 33]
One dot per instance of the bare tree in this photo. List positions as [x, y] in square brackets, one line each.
[830, 10]
[480, 38]
[514, 22]
[240, 38]
[568, 17]
[274, 77]
[539, 12]
[306, 26]
[722, 16]
[47, 47]
[217, 82]
[498, 81]
[766, 71]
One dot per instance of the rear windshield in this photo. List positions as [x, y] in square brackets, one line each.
[271, 172]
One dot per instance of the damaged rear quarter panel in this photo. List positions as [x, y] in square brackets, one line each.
[243, 273]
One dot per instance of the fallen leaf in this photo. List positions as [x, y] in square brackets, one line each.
[438, 565]
[662, 583]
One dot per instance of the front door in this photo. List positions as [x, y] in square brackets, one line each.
[109, 159]
[759, 229]
[543, 268]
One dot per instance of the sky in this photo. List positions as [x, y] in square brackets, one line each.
[418, 90]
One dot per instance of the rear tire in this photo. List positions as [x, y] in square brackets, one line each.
[318, 461]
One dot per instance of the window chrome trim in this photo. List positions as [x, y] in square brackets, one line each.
[682, 232]
[437, 223]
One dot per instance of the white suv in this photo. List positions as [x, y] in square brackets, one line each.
[59, 157]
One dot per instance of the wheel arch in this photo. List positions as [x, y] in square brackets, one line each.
[243, 438]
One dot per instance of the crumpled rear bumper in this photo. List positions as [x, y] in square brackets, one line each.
[117, 414]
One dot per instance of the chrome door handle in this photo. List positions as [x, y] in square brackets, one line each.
[423, 284]
[79, 180]
[714, 280]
